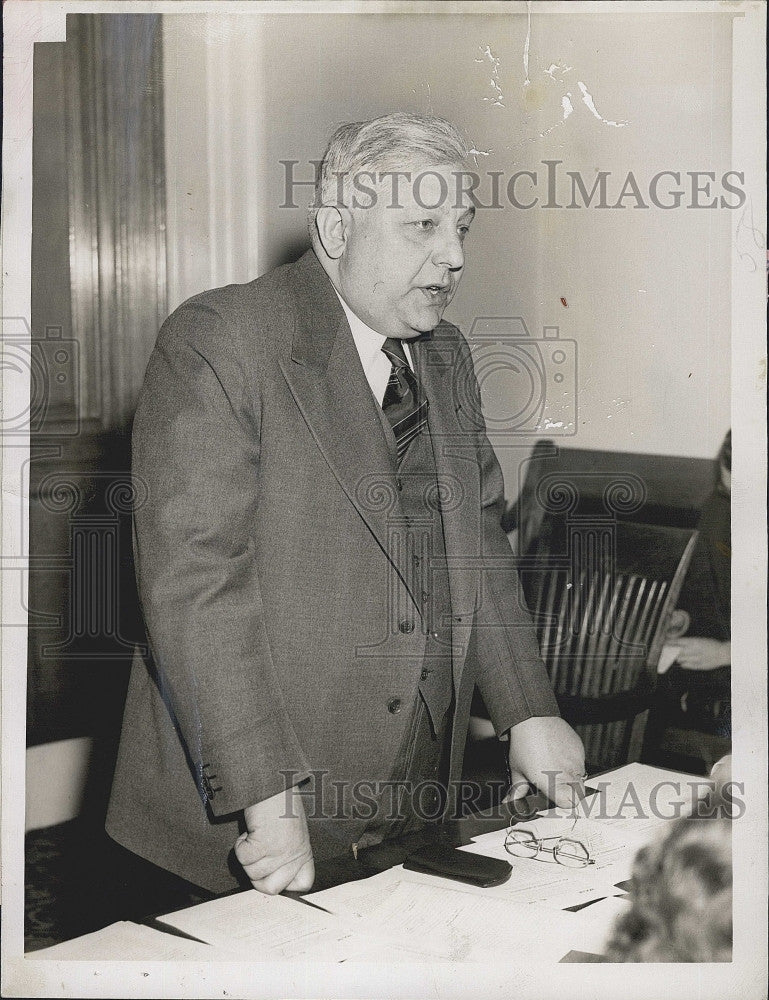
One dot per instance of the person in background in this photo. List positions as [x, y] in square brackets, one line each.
[706, 593]
[695, 693]
[681, 898]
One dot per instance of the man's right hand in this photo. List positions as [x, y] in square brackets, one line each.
[275, 850]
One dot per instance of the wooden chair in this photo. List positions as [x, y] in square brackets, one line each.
[601, 592]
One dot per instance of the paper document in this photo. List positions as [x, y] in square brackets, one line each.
[373, 900]
[639, 799]
[545, 883]
[125, 942]
[599, 920]
[358, 899]
[269, 928]
[438, 922]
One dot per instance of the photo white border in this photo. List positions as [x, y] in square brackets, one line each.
[28, 21]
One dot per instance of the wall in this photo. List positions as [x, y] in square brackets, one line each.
[213, 85]
[646, 291]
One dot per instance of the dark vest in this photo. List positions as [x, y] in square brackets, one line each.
[417, 520]
[420, 507]
[416, 523]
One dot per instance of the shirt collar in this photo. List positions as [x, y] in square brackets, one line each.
[367, 341]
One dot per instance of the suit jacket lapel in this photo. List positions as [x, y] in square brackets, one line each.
[329, 385]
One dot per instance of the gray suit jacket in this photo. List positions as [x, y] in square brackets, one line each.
[270, 583]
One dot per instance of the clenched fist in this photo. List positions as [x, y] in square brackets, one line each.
[275, 849]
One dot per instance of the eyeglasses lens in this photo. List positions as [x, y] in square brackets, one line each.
[521, 844]
[571, 853]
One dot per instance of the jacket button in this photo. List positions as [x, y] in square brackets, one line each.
[394, 706]
[424, 675]
[406, 626]
[399, 484]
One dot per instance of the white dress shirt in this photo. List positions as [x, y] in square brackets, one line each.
[376, 365]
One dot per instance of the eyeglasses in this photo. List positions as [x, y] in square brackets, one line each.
[566, 851]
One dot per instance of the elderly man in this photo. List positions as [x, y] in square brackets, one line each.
[321, 567]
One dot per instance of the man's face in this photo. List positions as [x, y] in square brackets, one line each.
[402, 261]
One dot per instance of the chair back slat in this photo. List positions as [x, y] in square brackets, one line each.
[605, 665]
[592, 678]
[629, 650]
[552, 643]
[654, 612]
[581, 614]
[630, 663]
[601, 603]
[615, 649]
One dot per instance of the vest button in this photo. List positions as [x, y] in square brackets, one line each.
[406, 626]
[394, 706]
[399, 484]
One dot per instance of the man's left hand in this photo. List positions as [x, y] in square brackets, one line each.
[547, 753]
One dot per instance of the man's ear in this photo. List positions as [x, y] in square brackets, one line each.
[333, 224]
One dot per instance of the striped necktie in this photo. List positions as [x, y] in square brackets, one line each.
[404, 403]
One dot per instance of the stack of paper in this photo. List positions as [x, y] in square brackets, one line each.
[125, 942]
[254, 926]
[359, 899]
[639, 798]
[436, 922]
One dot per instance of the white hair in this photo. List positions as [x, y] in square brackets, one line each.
[380, 145]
